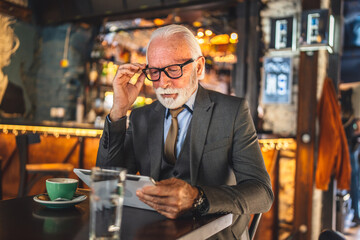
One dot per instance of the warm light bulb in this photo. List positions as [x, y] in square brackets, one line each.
[148, 101]
[201, 41]
[233, 36]
[159, 21]
[233, 40]
[64, 63]
[208, 32]
[318, 39]
[200, 34]
[197, 24]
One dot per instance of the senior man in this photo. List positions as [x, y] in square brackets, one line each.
[200, 146]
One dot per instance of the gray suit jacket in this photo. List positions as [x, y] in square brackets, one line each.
[225, 157]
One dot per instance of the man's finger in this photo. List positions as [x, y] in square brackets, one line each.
[158, 200]
[162, 208]
[134, 66]
[129, 69]
[169, 181]
[140, 65]
[123, 72]
[161, 191]
[140, 81]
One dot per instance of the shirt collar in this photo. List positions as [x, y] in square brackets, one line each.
[189, 105]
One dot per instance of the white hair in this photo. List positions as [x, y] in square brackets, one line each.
[173, 29]
[9, 42]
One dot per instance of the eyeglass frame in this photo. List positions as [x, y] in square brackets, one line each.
[166, 73]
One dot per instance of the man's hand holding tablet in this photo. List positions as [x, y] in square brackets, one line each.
[132, 184]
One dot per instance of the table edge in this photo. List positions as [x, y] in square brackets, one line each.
[209, 229]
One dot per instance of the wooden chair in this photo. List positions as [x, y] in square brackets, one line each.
[254, 224]
[37, 170]
[329, 234]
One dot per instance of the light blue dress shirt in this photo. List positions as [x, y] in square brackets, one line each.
[184, 119]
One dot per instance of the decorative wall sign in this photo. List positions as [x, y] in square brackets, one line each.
[277, 80]
[283, 33]
[317, 30]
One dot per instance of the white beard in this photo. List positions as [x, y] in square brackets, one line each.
[183, 94]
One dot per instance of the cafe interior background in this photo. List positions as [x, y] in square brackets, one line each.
[58, 59]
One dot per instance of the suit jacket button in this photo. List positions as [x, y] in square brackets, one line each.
[175, 173]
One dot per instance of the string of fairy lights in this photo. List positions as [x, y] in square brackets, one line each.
[265, 144]
[50, 131]
[278, 144]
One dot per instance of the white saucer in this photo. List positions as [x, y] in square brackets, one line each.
[78, 198]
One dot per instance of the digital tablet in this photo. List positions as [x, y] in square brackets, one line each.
[132, 184]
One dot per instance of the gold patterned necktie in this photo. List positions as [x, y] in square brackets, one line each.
[170, 143]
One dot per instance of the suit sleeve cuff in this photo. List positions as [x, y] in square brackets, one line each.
[218, 200]
[116, 126]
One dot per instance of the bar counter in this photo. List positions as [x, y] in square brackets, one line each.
[53, 128]
[59, 143]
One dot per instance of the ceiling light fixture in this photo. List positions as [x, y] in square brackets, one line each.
[234, 36]
[159, 22]
[208, 32]
[197, 24]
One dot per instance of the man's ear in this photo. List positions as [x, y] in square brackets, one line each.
[200, 67]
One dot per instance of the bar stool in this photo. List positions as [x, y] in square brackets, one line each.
[37, 170]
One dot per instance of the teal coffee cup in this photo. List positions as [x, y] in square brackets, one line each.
[61, 188]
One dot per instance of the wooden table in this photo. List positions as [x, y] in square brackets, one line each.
[23, 218]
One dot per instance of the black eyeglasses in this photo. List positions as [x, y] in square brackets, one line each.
[172, 71]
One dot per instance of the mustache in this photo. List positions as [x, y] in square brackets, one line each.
[167, 91]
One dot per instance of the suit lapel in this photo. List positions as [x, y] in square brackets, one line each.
[203, 109]
[155, 139]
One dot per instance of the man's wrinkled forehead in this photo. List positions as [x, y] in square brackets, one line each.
[174, 43]
[175, 40]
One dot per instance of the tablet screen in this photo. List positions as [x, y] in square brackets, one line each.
[132, 184]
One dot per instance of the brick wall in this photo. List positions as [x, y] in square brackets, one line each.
[281, 118]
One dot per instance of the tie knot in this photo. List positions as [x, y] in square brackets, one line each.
[175, 112]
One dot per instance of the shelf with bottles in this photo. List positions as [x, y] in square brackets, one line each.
[99, 91]
[101, 73]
